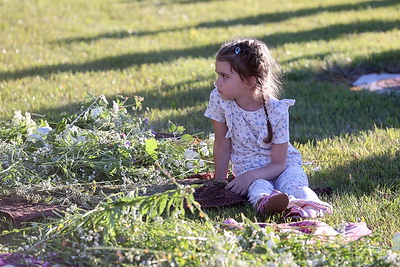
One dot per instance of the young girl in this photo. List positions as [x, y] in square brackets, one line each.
[252, 131]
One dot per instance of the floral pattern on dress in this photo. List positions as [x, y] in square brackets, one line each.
[247, 129]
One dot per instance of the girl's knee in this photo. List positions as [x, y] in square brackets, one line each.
[293, 174]
[261, 183]
[292, 180]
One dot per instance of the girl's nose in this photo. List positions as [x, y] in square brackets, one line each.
[216, 84]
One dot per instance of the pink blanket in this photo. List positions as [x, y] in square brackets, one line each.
[350, 231]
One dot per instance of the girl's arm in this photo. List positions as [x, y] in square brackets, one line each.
[241, 183]
[222, 150]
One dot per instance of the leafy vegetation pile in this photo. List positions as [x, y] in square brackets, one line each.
[99, 146]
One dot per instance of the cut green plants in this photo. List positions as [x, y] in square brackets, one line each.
[101, 118]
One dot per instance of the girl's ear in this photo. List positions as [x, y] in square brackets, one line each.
[251, 82]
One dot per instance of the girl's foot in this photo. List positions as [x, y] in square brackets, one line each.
[272, 203]
[305, 212]
[313, 212]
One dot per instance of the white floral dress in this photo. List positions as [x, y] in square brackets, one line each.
[247, 129]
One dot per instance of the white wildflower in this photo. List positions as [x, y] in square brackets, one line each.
[17, 118]
[190, 154]
[29, 131]
[189, 166]
[103, 100]
[96, 112]
[204, 149]
[271, 243]
[44, 130]
[317, 169]
[212, 137]
[34, 137]
[115, 107]
[71, 132]
[28, 117]
[81, 139]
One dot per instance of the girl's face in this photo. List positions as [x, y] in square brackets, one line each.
[229, 84]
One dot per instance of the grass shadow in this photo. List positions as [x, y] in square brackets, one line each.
[272, 17]
[165, 2]
[286, 15]
[330, 32]
[319, 116]
[325, 106]
[180, 95]
[124, 61]
[372, 63]
[110, 63]
[360, 177]
[366, 190]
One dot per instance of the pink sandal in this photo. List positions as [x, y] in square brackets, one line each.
[308, 211]
[272, 203]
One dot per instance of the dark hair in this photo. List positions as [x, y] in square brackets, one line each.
[252, 58]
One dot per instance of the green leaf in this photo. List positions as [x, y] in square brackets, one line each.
[151, 146]
[187, 138]
[172, 127]
[162, 204]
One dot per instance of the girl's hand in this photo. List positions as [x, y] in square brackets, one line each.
[241, 183]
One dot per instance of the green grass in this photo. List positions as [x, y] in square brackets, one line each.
[53, 53]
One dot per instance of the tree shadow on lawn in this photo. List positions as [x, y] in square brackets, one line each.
[137, 59]
[336, 112]
[165, 2]
[387, 61]
[110, 63]
[330, 32]
[287, 15]
[179, 95]
[365, 189]
[253, 20]
[326, 114]
[361, 176]
[325, 107]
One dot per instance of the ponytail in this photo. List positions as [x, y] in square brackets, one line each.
[267, 139]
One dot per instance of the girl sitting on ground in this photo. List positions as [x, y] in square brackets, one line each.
[252, 132]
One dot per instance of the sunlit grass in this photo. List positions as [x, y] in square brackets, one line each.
[53, 53]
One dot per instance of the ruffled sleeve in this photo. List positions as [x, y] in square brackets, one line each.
[214, 110]
[281, 121]
[278, 113]
[220, 110]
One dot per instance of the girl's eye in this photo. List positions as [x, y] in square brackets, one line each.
[224, 76]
